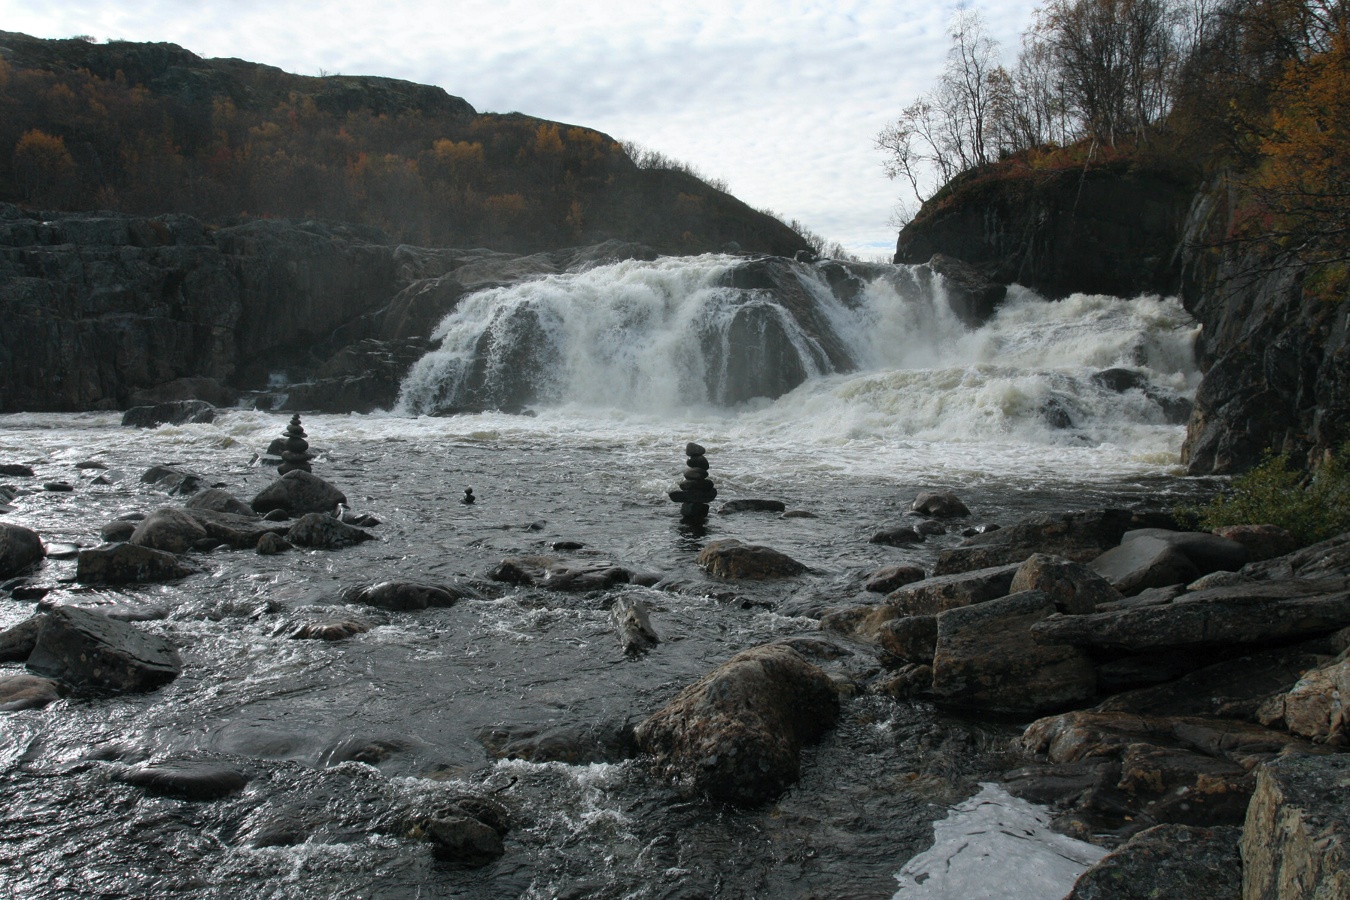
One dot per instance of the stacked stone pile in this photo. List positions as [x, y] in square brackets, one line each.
[295, 453]
[696, 488]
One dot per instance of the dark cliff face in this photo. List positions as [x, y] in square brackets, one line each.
[1276, 360]
[1109, 230]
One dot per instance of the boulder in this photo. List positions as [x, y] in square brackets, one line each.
[218, 500]
[176, 412]
[27, 692]
[1178, 862]
[736, 735]
[240, 531]
[899, 536]
[1259, 613]
[321, 531]
[1296, 836]
[912, 639]
[940, 505]
[1314, 707]
[943, 592]
[186, 779]
[1145, 563]
[271, 544]
[1075, 588]
[17, 641]
[1078, 536]
[87, 649]
[463, 839]
[634, 626]
[986, 658]
[19, 548]
[559, 574]
[127, 563]
[890, 578]
[324, 630]
[16, 470]
[403, 595]
[169, 529]
[118, 531]
[299, 492]
[731, 559]
[1209, 552]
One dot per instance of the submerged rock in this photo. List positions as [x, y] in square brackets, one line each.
[737, 733]
[19, 692]
[631, 621]
[404, 595]
[176, 412]
[89, 650]
[172, 479]
[940, 505]
[559, 574]
[576, 745]
[186, 779]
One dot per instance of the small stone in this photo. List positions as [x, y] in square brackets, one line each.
[692, 449]
[58, 487]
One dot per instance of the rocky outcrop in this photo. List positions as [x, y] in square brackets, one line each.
[1296, 838]
[1179, 862]
[1113, 229]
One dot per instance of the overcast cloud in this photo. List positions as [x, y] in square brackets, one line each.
[782, 99]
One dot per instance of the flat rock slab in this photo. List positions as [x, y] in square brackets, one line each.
[737, 734]
[1256, 613]
[89, 650]
[934, 595]
[559, 574]
[27, 692]
[1209, 552]
[127, 563]
[1296, 839]
[186, 779]
[986, 658]
[19, 548]
[1078, 536]
[1179, 862]
[1076, 589]
[576, 745]
[1145, 563]
[732, 559]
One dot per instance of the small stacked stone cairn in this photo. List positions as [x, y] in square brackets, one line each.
[295, 454]
[696, 490]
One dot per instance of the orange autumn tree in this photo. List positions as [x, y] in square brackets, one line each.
[1302, 184]
[43, 168]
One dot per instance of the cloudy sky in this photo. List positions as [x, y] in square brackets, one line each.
[779, 98]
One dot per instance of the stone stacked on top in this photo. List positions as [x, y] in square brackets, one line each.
[295, 454]
[696, 488]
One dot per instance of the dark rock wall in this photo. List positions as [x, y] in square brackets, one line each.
[1111, 230]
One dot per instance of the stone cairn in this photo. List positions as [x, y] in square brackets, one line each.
[696, 490]
[295, 452]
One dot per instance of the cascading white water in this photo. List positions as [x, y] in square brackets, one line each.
[659, 338]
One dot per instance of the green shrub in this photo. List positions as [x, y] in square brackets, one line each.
[1276, 493]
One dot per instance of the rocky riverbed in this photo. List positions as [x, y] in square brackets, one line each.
[562, 690]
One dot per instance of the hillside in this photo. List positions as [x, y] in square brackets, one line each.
[153, 128]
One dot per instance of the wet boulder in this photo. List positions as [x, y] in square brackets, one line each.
[737, 734]
[298, 492]
[1209, 552]
[17, 641]
[324, 630]
[176, 412]
[1296, 836]
[127, 563]
[732, 559]
[752, 505]
[912, 639]
[890, 578]
[118, 531]
[87, 649]
[1261, 542]
[19, 548]
[172, 479]
[218, 500]
[15, 470]
[943, 592]
[1075, 588]
[939, 505]
[168, 529]
[404, 595]
[240, 531]
[1179, 862]
[987, 658]
[559, 574]
[186, 779]
[321, 531]
[899, 536]
[467, 832]
[574, 744]
[27, 692]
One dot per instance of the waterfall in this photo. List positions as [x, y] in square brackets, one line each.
[875, 351]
